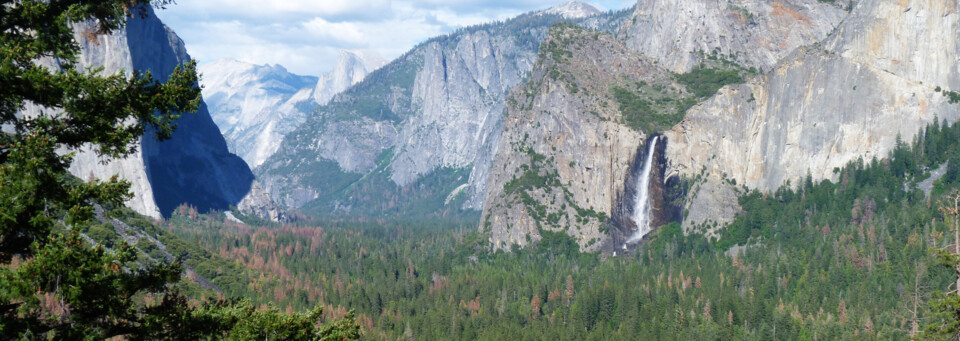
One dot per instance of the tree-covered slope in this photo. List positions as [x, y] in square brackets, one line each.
[829, 260]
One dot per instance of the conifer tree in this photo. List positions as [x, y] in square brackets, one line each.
[53, 282]
[946, 306]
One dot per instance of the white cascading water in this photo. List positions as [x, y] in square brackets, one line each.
[641, 200]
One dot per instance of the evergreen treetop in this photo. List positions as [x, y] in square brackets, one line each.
[53, 282]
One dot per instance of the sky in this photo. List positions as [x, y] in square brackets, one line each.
[305, 35]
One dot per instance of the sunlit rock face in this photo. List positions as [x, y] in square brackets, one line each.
[754, 33]
[573, 10]
[852, 96]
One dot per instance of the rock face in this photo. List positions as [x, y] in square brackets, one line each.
[430, 119]
[873, 80]
[754, 33]
[256, 105]
[194, 166]
[566, 151]
[676, 36]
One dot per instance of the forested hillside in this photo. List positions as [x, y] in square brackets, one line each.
[848, 259]
[645, 169]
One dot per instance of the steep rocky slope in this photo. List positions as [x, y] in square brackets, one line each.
[194, 166]
[424, 127]
[884, 75]
[568, 147]
[754, 33]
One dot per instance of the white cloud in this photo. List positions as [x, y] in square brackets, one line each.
[304, 35]
[260, 10]
[345, 32]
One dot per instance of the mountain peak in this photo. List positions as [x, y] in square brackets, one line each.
[371, 59]
[573, 10]
[351, 67]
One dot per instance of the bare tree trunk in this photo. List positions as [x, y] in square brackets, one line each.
[915, 327]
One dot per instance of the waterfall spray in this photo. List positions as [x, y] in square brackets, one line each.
[641, 200]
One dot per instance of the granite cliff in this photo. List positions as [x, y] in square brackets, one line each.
[882, 76]
[567, 148]
[582, 139]
[194, 167]
[351, 67]
[753, 33]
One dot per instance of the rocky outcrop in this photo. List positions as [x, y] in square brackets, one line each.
[709, 205]
[566, 149]
[874, 81]
[677, 36]
[260, 204]
[194, 166]
[754, 33]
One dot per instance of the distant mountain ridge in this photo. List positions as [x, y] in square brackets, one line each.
[251, 104]
[420, 132]
[432, 131]
[256, 105]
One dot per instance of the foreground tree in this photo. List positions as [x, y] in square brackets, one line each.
[53, 283]
[946, 306]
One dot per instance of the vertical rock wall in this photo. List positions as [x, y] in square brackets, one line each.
[823, 106]
[194, 167]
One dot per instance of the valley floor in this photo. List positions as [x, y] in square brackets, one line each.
[848, 259]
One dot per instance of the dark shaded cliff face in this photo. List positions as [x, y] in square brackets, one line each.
[665, 195]
[194, 166]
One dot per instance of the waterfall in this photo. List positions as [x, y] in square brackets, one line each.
[641, 200]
